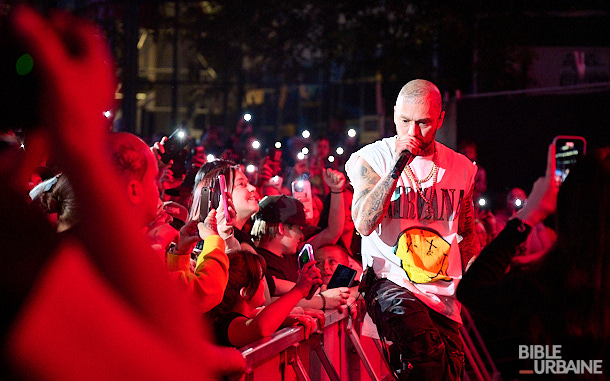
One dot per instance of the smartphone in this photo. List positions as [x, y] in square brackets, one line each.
[223, 196]
[342, 277]
[304, 257]
[179, 166]
[518, 203]
[275, 155]
[204, 204]
[174, 144]
[568, 149]
[276, 181]
[301, 190]
[483, 203]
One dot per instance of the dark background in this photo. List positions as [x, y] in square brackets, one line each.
[513, 132]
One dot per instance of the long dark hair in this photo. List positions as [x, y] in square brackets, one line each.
[210, 180]
[209, 167]
[246, 270]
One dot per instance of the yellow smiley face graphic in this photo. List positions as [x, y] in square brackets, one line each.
[424, 254]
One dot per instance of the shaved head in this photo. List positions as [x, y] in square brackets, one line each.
[420, 91]
[136, 166]
[129, 155]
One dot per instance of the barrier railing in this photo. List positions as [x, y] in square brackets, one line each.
[338, 352]
[335, 353]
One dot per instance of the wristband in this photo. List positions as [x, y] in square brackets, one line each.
[323, 302]
[336, 192]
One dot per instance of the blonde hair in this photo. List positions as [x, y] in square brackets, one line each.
[263, 230]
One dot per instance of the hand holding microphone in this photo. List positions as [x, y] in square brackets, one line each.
[409, 147]
[405, 157]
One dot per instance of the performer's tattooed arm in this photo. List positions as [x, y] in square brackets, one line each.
[469, 246]
[371, 197]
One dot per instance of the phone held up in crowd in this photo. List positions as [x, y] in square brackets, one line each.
[204, 204]
[301, 190]
[275, 156]
[568, 149]
[305, 256]
[174, 144]
[223, 195]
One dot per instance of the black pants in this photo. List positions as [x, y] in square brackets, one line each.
[421, 337]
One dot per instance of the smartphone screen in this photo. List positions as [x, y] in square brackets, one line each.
[305, 256]
[301, 190]
[342, 277]
[568, 149]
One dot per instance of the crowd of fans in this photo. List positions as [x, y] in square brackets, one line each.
[142, 234]
[146, 246]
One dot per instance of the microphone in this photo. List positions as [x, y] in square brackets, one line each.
[405, 157]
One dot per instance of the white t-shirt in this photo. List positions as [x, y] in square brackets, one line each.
[421, 255]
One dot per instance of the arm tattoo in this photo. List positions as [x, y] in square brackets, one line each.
[371, 198]
[210, 226]
[469, 247]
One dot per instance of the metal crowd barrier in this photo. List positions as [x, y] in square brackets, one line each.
[338, 352]
[335, 353]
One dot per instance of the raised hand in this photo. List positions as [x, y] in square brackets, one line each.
[409, 143]
[334, 179]
[158, 149]
[189, 236]
[309, 276]
[265, 171]
[542, 201]
[208, 227]
[225, 230]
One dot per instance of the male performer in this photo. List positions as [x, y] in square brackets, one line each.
[418, 235]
